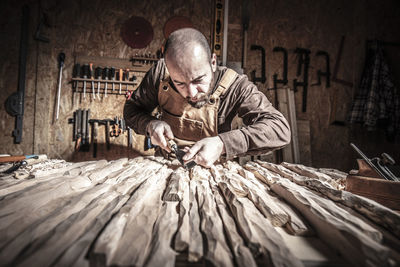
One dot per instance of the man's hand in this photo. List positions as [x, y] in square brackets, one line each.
[205, 152]
[158, 131]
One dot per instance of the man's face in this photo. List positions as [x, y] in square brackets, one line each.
[193, 75]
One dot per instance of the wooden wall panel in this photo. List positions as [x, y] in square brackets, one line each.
[93, 28]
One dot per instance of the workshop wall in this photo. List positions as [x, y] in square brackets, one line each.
[92, 28]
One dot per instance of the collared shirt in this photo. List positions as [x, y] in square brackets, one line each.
[264, 128]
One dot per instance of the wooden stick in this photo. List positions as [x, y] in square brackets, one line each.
[160, 252]
[218, 251]
[195, 251]
[258, 232]
[133, 222]
[368, 208]
[182, 238]
[242, 254]
[336, 226]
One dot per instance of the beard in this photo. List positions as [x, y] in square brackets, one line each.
[202, 98]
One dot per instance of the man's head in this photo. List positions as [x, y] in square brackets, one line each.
[190, 65]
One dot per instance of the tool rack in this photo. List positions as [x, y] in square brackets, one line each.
[126, 86]
[95, 83]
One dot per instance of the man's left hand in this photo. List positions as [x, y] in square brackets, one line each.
[205, 152]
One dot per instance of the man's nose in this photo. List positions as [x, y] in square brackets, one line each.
[192, 90]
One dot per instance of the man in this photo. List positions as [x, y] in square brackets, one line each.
[198, 101]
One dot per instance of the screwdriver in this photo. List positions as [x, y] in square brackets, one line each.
[85, 73]
[91, 76]
[98, 77]
[120, 79]
[112, 77]
[106, 71]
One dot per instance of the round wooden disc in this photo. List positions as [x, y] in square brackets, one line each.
[176, 23]
[137, 32]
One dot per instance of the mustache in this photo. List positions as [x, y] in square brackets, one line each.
[202, 99]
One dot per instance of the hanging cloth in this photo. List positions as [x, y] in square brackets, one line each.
[378, 100]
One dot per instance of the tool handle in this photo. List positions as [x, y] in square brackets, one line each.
[97, 72]
[85, 71]
[11, 159]
[112, 73]
[120, 74]
[76, 71]
[91, 72]
[108, 134]
[106, 73]
[61, 59]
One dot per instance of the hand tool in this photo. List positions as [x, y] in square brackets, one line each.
[122, 124]
[116, 128]
[85, 73]
[87, 144]
[15, 102]
[129, 136]
[304, 61]
[7, 159]
[83, 129]
[76, 73]
[379, 165]
[78, 130]
[179, 154]
[261, 79]
[91, 76]
[217, 40]
[61, 58]
[284, 79]
[106, 73]
[98, 77]
[14, 167]
[75, 122]
[112, 77]
[108, 134]
[120, 79]
[327, 72]
[94, 138]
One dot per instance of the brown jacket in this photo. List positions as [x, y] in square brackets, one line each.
[264, 128]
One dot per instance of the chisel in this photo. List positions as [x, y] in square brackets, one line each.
[106, 73]
[97, 74]
[108, 134]
[85, 73]
[91, 76]
[120, 79]
[112, 77]
[94, 138]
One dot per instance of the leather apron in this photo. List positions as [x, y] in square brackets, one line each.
[190, 124]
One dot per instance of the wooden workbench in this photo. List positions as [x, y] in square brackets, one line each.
[149, 211]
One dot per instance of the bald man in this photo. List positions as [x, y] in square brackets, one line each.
[197, 101]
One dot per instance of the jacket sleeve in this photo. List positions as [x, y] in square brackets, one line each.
[264, 128]
[138, 109]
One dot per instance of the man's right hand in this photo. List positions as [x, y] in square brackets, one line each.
[159, 132]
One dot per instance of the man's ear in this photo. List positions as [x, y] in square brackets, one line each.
[214, 62]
